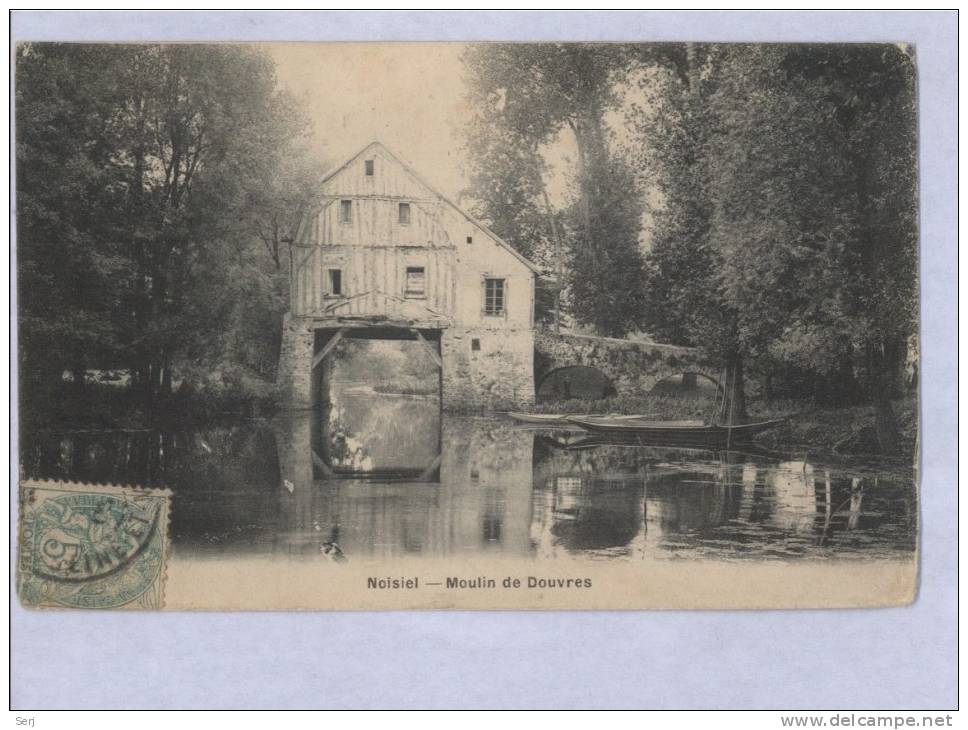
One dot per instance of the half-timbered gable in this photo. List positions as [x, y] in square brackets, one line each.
[378, 247]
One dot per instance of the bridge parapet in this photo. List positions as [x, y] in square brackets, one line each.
[633, 367]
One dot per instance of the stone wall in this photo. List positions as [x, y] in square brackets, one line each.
[633, 367]
[495, 373]
[495, 369]
[295, 376]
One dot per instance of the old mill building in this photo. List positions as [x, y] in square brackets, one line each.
[380, 254]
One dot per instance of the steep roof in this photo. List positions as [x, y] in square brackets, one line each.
[443, 198]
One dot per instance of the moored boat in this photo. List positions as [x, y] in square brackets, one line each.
[691, 432]
[562, 419]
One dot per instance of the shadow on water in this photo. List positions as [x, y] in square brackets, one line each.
[388, 476]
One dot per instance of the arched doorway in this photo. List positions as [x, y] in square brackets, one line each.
[574, 382]
[687, 385]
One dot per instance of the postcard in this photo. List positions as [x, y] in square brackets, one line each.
[356, 326]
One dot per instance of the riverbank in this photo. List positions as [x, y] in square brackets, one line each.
[822, 431]
[837, 431]
[105, 406]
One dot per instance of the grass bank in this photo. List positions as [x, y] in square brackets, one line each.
[105, 406]
[846, 431]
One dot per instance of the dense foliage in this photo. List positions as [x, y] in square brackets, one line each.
[787, 238]
[524, 97]
[778, 186]
[155, 187]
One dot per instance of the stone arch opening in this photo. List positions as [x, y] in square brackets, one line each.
[380, 403]
[688, 384]
[391, 360]
[579, 382]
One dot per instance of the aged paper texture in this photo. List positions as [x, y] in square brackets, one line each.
[467, 326]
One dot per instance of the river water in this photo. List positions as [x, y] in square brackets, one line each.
[389, 476]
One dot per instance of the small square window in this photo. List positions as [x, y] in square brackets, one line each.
[494, 296]
[470, 239]
[346, 211]
[405, 213]
[335, 282]
[369, 168]
[416, 281]
[475, 345]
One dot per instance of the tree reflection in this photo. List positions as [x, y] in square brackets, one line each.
[459, 486]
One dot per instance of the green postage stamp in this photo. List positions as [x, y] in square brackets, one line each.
[92, 545]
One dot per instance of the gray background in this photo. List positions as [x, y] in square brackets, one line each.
[902, 658]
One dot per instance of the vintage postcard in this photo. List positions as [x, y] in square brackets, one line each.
[467, 325]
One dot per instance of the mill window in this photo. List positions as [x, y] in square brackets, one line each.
[346, 211]
[475, 345]
[369, 168]
[416, 281]
[492, 527]
[404, 213]
[494, 297]
[335, 282]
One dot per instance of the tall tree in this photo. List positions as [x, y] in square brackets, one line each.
[776, 240]
[871, 91]
[70, 254]
[687, 301]
[167, 146]
[524, 97]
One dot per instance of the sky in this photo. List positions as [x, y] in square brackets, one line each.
[410, 96]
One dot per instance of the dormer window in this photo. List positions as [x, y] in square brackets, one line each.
[404, 214]
[346, 211]
[369, 168]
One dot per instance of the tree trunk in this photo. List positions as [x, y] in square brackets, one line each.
[148, 390]
[584, 184]
[141, 374]
[559, 257]
[692, 69]
[592, 157]
[734, 404]
[78, 372]
[166, 379]
[876, 352]
[885, 423]
[895, 354]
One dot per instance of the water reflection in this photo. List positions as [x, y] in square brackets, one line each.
[388, 477]
[362, 433]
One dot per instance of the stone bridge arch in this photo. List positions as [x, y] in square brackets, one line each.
[632, 367]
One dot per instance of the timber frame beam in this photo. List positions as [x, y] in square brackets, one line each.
[430, 348]
[333, 342]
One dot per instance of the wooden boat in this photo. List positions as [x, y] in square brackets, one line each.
[684, 432]
[562, 419]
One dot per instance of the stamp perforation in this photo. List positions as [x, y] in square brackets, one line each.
[74, 533]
